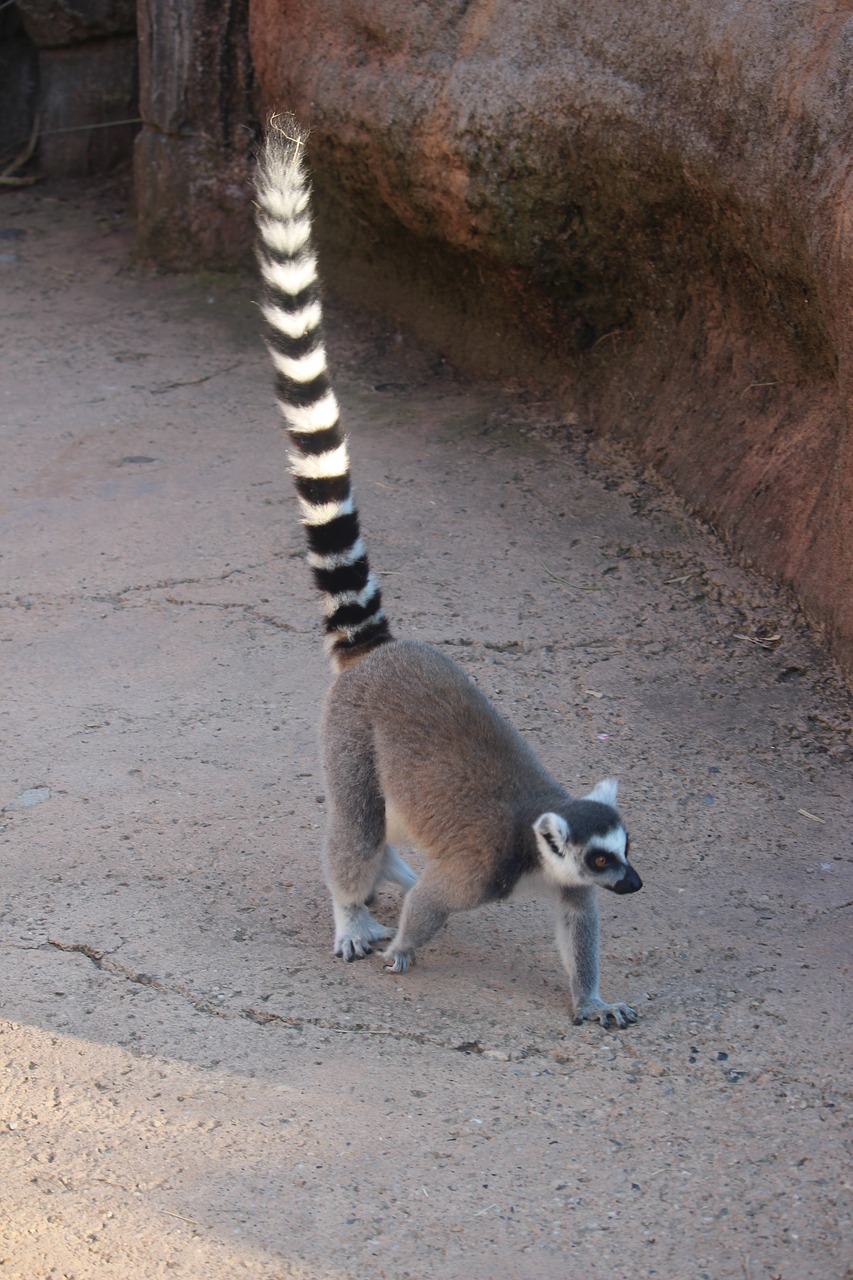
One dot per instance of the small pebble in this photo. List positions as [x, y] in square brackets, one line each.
[30, 798]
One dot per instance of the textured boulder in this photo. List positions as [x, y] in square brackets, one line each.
[648, 205]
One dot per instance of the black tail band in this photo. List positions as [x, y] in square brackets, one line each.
[347, 577]
[333, 537]
[320, 491]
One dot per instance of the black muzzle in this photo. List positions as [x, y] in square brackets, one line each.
[629, 883]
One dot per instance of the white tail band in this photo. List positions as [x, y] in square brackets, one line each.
[319, 416]
[303, 369]
[290, 277]
[321, 466]
[325, 512]
[285, 237]
[293, 324]
[332, 603]
[337, 559]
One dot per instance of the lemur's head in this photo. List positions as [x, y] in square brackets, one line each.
[587, 843]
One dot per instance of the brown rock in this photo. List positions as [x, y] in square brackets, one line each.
[646, 205]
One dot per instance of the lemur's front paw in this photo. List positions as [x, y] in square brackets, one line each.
[398, 961]
[596, 1010]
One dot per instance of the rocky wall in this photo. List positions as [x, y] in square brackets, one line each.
[648, 206]
[18, 87]
[87, 82]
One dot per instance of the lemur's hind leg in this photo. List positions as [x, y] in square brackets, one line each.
[355, 850]
[352, 868]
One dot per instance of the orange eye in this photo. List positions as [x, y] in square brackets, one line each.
[600, 861]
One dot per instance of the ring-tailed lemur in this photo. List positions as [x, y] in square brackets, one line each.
[410, 744]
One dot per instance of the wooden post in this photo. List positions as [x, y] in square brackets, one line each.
[191, 165]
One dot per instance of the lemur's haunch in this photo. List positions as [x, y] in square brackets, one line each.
[411, 746]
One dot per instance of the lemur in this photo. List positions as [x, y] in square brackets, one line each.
[412, 749]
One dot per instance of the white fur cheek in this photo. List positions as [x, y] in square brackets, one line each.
[557, 869]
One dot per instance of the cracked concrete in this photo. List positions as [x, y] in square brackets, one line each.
[191, 1085]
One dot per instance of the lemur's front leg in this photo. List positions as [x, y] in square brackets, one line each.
[425, 909]
[577, 939]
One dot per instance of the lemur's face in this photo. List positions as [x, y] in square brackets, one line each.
[588, 845]
[604, 863]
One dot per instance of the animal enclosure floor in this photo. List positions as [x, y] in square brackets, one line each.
[192, 1086]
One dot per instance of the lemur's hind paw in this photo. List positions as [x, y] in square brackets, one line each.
[350, 949]
[595, 1010]
[356, 933]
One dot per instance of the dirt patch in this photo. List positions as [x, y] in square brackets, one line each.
[192, 1086]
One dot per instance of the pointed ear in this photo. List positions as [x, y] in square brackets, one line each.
[604, 792]
[553, 830]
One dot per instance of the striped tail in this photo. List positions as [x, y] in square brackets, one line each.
[354, 620]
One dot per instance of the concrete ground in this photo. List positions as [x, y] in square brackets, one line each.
[191, 1085]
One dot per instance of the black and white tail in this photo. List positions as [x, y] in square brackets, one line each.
[354, 620]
